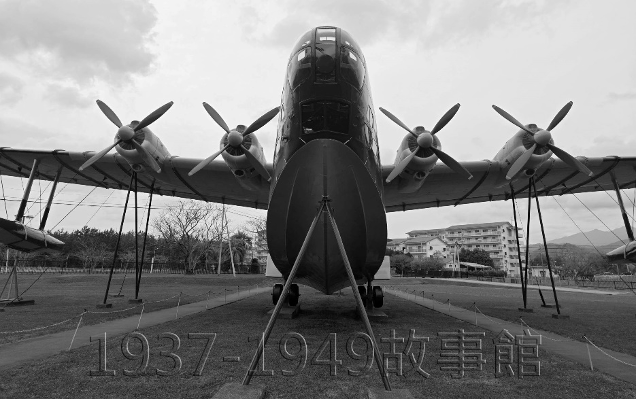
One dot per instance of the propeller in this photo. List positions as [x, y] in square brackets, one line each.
[425, 140]
[236, 139]
[128, 134]
[542, 139]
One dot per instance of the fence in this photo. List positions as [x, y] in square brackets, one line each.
[59, 267]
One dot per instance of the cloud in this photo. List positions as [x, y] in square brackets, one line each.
[67, 95]
[79, 40]
[617, 97]
[11, 88]
[367, 21]
[435, 23]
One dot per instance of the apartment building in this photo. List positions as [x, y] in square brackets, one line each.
[496, 238]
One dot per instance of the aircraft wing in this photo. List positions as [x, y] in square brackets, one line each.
[215, 183]
[444, 187]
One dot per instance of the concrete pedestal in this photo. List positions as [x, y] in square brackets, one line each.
[238, 391]
[375, 393]
[107, 305]
[288, 312]
[15, 303]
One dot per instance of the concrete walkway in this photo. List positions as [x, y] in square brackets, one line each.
[565, 347]
[546, 288]
[13, 354]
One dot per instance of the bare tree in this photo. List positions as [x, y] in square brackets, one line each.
[191, 228]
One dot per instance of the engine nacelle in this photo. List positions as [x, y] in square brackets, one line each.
[515, 147]
[413, 176]
[238, 163]
[150, 142]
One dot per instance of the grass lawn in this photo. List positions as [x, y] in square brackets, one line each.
[608, 321]
[67, 374]
[60, 297]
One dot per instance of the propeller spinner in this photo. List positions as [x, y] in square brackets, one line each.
[542, 139]
[425, 140]
[126, 134]
[236, 139]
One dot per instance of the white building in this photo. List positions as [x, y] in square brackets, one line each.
[496, 238]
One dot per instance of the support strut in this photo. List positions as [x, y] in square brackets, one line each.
[620, 201]
[138, 278]
[136, 241]
[546, 249]
[119, 237]
[517, 242]
[528, 238]
[359, 302]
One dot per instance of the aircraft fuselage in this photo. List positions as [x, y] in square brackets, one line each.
[327, 146]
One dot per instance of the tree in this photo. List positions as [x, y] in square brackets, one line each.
[190, 228]
[401, 262]
[477, 256]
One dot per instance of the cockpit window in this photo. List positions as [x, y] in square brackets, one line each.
[325, 116]
[300, 68]
[325, 55]
[352, 68]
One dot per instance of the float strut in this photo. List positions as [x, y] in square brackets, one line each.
[27, 191]
[45, 216]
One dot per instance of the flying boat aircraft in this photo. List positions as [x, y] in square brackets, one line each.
[326, 175]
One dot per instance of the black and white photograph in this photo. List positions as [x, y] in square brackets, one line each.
[317, 199]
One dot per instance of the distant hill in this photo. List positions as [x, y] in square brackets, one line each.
[597, 238]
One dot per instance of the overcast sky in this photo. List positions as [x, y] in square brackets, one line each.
[528, 57]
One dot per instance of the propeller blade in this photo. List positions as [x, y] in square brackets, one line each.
[152, 117]
[451, 162]
[401, 166]
[511, 119]
[148, 159]
[569, 159]
[520, 162]
[110, 114]
[397, 121]
[256, 164]
[446, 118]
[264, 119]
[560, 115]
[206, 161]
[98, 155]
[215, 115]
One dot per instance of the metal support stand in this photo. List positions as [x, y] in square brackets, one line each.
[359, 301]
[620, 201]
[138, 278]
[517, 242]
[119, 237]
[528, 236]
[323, 208]
[546, 249]
[136, 241]
[47, 209]
[223, 215]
